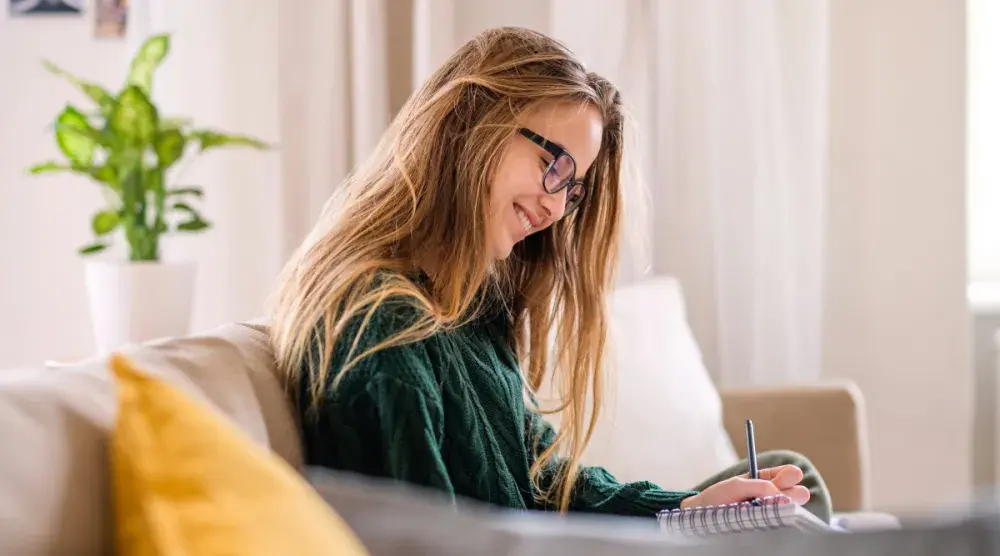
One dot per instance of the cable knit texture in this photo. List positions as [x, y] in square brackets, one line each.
[449, 413]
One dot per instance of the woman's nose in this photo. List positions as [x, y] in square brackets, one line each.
[553, 205]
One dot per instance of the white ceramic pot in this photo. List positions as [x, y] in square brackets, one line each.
[133, 302]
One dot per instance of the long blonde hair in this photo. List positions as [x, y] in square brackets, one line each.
[426, 186]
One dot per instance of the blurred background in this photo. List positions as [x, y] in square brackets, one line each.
[821, 178]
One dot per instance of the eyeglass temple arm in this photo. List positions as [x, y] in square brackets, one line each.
[549, 146]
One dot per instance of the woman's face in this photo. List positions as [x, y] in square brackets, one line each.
[519, 204]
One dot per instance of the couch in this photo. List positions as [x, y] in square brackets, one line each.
[54, 420]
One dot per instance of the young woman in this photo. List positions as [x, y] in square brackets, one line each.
[468, 259]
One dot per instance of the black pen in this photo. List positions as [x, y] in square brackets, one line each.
[752, 456]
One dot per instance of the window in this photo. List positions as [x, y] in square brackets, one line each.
[983, 144]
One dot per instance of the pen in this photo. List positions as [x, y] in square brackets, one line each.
[752, 456]
[751, 451]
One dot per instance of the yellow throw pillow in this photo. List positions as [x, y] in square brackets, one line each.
[187, 482]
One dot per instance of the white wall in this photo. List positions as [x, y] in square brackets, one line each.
[43, 220]
[897, 321]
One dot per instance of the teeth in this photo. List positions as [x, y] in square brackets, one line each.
[524, 219]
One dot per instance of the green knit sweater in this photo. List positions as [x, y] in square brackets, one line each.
[449, 413]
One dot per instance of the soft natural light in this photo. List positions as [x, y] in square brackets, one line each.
[983, 137]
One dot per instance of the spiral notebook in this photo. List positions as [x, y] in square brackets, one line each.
[768, 514]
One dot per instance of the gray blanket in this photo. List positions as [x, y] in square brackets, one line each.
[400, 519]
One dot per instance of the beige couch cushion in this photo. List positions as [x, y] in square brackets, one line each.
[279, 417]
[54, 496]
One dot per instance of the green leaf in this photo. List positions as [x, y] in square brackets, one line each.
[209, 139]
[186, 208]
[169, 147]
[76, 138]
[175, 122]
[134, 117]
[50, 166]
[149, 57]
[104, 222]
[93, 248]
[178, 191]
[103, 174]
[106, 174]
[127, 157]
[98, 94]
[193, 225]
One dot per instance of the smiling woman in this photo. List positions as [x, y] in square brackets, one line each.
[467, 261]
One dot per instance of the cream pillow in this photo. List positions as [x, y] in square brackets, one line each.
[662, 416]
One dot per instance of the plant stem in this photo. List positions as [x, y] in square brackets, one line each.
[160, 197]
[143, 241]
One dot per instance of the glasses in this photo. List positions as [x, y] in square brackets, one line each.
[560, 173]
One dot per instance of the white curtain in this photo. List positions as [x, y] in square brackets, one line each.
[729, 99]
[741, 166]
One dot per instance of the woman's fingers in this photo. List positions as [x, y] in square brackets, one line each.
[785, 479]
[740, 489]
[783, 476]
[748, 489]
[798, 494]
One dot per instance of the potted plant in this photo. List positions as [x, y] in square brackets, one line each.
[128, 148]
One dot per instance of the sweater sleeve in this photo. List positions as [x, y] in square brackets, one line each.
[596, 490]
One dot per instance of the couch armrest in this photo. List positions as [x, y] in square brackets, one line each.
[824, 422]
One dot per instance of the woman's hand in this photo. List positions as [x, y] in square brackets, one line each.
[783, 479]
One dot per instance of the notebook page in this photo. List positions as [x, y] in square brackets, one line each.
[770, 514]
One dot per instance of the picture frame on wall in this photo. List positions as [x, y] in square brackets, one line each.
[45, 7]
[111, 19]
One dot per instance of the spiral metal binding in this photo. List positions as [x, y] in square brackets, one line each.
[730, 518]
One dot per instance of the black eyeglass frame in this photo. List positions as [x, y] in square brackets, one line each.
[557, 151]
